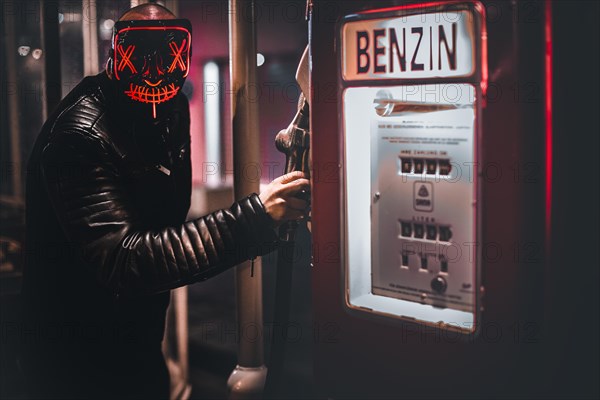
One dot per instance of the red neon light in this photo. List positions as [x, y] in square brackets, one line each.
[548, 117]
[152, 95]
[152, 84]
[177, 51]
[156, 28]
[484, 49]
[126, 58]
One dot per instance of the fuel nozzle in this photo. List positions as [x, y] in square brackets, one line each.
[294, 141]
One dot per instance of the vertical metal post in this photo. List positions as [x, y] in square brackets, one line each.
[175, 344]
[180, 302]
[90, 38]
[173, 6]
[248, 378]
[13, 105]
[51, 42]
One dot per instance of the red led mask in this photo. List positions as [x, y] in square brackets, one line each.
[151, 59]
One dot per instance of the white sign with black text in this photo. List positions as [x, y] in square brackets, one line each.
[434, 45]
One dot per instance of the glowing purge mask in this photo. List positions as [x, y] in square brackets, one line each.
[151, 59]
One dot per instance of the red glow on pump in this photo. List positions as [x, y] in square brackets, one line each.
[548, 116]
[484, 50]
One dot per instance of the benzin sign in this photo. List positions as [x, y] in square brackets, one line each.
[434, 45]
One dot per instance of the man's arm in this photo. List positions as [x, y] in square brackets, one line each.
[98, 218]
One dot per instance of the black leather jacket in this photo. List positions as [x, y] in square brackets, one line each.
[107, 239]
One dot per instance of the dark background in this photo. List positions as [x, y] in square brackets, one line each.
[561, 290]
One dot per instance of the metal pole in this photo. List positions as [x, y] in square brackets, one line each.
[173, 6]
[51, 42]
[90, 38]
[248, 378]
[13, 106]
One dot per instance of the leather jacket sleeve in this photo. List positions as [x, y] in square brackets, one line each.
[93, 208]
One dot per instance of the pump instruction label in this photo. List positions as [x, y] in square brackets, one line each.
[422, 216]
[410, 184]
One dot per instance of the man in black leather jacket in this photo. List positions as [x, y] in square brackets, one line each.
[108, 191]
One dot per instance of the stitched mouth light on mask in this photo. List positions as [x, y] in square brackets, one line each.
[151, 59]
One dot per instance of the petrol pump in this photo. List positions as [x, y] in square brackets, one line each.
[428, 202]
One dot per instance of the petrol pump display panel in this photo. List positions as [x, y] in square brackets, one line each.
[411, 106]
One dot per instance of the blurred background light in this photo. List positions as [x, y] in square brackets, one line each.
[37, 54]
[23, 50]
[260, 59]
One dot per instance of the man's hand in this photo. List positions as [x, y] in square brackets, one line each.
[280, 197]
